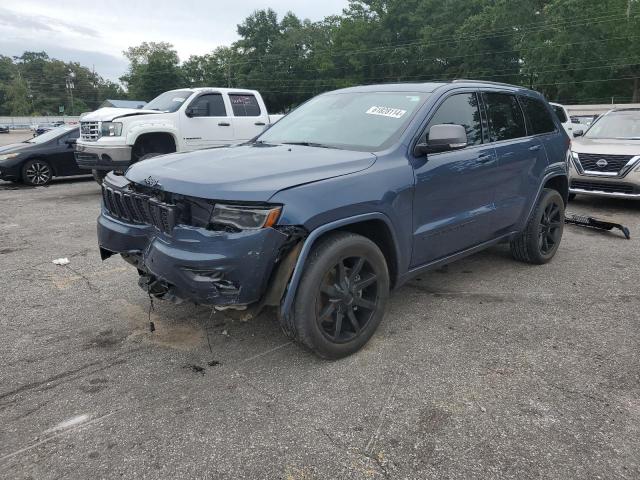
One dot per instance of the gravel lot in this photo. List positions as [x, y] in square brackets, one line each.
[484, 369]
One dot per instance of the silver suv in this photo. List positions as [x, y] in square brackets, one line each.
[606, 159]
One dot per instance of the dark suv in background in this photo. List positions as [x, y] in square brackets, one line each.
[351, 194]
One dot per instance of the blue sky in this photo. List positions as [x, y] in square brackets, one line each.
[96, 33]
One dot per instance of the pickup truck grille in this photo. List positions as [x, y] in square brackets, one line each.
[90, 131]
[614, 163]
[138, 208]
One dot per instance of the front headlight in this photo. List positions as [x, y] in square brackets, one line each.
[7, 156]
[111, 129]
[245, 217]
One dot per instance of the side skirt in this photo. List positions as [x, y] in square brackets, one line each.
[414, 272]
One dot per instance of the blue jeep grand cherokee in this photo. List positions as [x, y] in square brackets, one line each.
[351, 194]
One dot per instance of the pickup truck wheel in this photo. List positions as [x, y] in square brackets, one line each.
[98, 175]
[36, 172]
[342, 295]
[541, 237]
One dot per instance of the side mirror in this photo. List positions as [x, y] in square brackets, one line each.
[71, 141]
[443, 138]
[190, 112]
[578, 132]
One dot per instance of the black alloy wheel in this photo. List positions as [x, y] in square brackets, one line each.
[342, 295]
[540, 239]
[347, 299]
[551, 224]
[36, 172]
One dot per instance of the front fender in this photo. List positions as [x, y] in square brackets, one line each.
[286, 306]
[160, 126]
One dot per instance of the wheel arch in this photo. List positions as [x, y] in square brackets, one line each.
[52, 166]
[560, 183]
[375, 226]
[556, 179]
[166, 140]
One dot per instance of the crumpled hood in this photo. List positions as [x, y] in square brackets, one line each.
[609, 146]
[107, 114]
[246, 172]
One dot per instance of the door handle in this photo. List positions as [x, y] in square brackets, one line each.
[535, 148]
[224, 124]
[485, 158]
[261, 124]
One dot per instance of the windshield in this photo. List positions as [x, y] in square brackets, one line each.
[623, 124]
[51, 134]
[367, 121]
[168, 101]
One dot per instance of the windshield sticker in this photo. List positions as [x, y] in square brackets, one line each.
[413, 98]
[177, 99]
[386, 112]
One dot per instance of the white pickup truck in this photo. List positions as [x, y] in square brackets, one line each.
[175, 121]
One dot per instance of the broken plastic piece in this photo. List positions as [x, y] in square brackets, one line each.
[61, 261]
[590, 222]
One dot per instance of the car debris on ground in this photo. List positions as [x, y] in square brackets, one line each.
[591, 222]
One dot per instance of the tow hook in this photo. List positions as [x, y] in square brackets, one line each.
[590, 222]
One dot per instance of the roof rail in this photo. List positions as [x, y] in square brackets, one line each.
[465, 80]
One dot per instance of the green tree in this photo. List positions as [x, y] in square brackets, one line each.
[18, 97]
[153, 69]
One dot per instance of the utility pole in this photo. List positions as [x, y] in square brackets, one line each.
[70, 87]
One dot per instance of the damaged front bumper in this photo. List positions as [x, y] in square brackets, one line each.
[207, 267]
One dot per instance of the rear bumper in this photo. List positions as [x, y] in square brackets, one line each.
[194, 264]
[101, 157]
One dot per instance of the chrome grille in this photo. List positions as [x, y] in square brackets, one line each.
[614, 163]
[90, 131]
[138, 208]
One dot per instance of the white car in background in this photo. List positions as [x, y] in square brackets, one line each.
[564, 118]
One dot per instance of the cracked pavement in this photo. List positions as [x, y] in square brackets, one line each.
[484, 369]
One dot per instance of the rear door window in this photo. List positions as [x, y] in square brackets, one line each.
[244, 105]
[538, 114]
[506, 120]
[461, 109]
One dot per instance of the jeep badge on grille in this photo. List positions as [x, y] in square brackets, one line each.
[152, 182]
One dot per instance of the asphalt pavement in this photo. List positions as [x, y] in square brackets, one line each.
[487, 368]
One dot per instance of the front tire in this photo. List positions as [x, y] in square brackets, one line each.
[37, 172]
[342, 295]
[540, 239]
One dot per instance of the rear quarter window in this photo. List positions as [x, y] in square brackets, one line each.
[538, 114]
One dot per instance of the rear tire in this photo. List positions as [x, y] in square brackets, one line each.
[37, 172]
[342, 295]
[540, 239]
